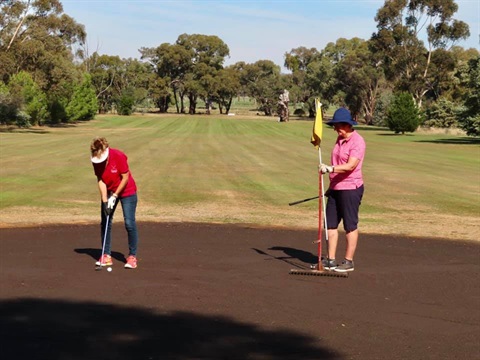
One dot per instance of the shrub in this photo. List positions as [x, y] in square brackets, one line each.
[471, 125]
[58, 113]
[22, 119]
[381, 108]
[83, 105]
[403, 115]
[442, 114]
[30, 97]
[125, 104]
[469, 119]
[8, 109]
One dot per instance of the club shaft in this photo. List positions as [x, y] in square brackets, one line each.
[304, 200]
[104, 240]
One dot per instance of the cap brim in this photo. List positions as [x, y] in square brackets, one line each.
[351, 122]
[102, 158]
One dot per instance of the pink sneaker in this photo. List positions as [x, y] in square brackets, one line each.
[131, 262]
[105, 260]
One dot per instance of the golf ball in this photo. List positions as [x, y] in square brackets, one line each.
[109, 269]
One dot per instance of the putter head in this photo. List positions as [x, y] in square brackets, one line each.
[98, 267]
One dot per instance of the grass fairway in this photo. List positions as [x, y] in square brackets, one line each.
[240, 170]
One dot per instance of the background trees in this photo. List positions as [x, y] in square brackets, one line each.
[403, 28]
[37, 38]
[470, 117]
[48, 77]
[190, 66]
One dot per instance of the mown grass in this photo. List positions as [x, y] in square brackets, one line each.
[240, 169]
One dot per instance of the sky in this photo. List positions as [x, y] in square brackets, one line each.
[252, 29]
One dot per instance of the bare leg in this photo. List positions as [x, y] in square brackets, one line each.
[352, 240]
[332, 242]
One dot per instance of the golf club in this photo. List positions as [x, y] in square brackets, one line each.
[301, 201]
[99, 267]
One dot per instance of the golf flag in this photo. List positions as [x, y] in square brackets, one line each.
[317, 125]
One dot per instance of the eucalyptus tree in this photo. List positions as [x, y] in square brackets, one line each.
[227, 86]
[458, 84]
[411, 35]
[106, 75]
[118, 80]
[159, 91]
[135, 80]
[299, 61]
[361, 79]
[37, 37]
[320, 78]
[261, 80]
[208, 54]
[171, 63]
[340, 89]
[189, 65]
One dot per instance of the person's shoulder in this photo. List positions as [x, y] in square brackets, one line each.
[358, 135]
[358, 140]
[118, 155]
[116, 152]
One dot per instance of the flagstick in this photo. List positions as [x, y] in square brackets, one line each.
[323, 201]
[322, 206]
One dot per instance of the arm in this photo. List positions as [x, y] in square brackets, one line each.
[102, 187]
[349, 166]
[122, 185]
[342, 168]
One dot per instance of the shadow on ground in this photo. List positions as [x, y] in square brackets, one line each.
[96, 253]
[54, 329]
[454, 141]
[291, 256]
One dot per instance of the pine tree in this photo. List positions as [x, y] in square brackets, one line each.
[83, 105]
[403, 115]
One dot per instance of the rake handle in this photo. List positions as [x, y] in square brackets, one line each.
[304, 200]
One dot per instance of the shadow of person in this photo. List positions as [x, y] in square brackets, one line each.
[57, 329]
[292, 255]
[96, 253]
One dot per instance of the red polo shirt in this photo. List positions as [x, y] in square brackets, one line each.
[110, 172]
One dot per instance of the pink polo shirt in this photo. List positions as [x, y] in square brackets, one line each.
[355, 147]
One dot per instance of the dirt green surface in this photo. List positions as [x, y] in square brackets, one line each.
[224, 292]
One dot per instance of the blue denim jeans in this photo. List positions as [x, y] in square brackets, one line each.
[129, 208]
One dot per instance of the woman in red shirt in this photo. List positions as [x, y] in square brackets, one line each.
[115, 183]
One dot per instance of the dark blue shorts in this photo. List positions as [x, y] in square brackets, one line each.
[343, 205]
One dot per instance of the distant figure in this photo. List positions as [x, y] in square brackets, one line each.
[282, 106]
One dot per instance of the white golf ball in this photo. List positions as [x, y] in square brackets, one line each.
[109, 269]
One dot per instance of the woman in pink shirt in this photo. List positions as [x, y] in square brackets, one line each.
[116, 184]
[346, 188]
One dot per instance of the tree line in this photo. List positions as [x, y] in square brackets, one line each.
[410, 65]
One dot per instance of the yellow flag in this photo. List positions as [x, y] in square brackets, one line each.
[317, 125]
